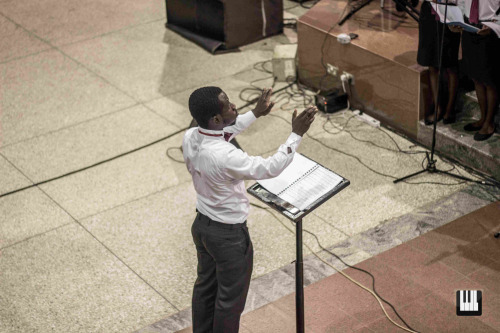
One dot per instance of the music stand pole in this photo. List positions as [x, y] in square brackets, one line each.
[296, 216]
[299, 280]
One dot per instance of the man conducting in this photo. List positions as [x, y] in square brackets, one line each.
[220, 233]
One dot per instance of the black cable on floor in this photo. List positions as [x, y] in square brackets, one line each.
[378, 172]
[93, 165]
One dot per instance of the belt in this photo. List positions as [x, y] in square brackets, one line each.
[208, 221]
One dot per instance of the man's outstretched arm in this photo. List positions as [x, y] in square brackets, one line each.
[239, 165]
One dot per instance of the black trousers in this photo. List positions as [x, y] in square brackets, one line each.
[225, 261]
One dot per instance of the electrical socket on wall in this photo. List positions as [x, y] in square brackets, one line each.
[347, 77]
[332, 70]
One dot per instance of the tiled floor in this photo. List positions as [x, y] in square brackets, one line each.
[419, 278]
[108, 248]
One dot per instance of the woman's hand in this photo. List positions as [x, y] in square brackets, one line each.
[455, 28]
[485, 30]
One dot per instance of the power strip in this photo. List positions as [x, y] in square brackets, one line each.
[366, 118]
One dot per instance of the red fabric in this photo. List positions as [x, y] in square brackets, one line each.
[474, 12]
[226, 135]
[435, 14]
[209, 134]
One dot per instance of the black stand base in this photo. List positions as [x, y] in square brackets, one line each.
[431, 168]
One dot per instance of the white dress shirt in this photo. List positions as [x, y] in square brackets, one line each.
[218, 169]
[487, 8]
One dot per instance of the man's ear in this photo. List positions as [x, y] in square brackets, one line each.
[217, 119]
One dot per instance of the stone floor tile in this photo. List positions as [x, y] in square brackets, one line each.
[445, 319]
[391, 285]
[66, 281]
[464, 229]
[154, 241]
[12, 179]
[268, 319]
[272, 243]
[462, 258]
[47, 92]
[28, 213]
[145, 49]
[72, 21]
[254, 299]
[17, 42]
[311, 272]
[338, 292]
[383, 324]
[44, 158]
[419, 267]
[175, 109]
[120, 181]
[488, 276]
[274, 285]
[488, 246]
[491, 310]
[374, 240]
[350, 211]
[174, 323]
[169, 108]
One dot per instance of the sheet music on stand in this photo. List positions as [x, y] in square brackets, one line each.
[301, 187]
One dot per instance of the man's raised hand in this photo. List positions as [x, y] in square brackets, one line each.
[302, 122]
[264, 105]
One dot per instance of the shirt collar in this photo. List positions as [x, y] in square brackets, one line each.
[211, 133]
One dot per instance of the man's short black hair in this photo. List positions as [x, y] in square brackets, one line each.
[204, 103]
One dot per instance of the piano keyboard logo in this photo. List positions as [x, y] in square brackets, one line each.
[469, 302]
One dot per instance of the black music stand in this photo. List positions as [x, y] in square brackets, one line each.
[294, 214]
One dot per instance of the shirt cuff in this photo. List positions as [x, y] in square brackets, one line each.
[247, 118]
[293, 138]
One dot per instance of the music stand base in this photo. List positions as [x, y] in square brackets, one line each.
[431, 168]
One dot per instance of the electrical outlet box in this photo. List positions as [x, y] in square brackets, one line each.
[331, 101]
[284, 62]
[348, 77]
[367, 119]
[332, 70]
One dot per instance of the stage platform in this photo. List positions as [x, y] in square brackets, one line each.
[389, 85]
[382, 59]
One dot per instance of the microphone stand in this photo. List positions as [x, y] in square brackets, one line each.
[431, 162]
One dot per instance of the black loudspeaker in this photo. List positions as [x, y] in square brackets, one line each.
[225, 24]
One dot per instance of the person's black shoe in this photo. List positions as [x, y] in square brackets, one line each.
[471, 128]
[481, 137]
[431, 122]
[449, 120]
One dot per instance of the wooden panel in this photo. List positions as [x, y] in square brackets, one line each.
[382, 59]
